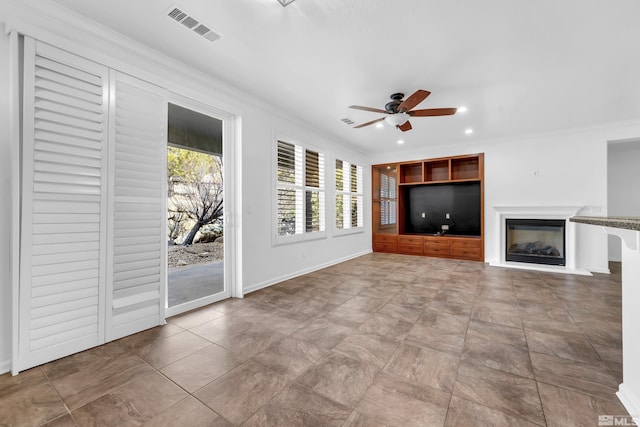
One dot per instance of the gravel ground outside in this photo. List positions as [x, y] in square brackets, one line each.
[199, 253]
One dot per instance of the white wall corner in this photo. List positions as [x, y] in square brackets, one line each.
[275, 280]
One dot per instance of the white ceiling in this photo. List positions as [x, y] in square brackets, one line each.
[519, 66]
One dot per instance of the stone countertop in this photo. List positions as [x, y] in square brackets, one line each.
[628, 223]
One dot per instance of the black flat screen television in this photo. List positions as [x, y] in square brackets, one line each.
[460, 200]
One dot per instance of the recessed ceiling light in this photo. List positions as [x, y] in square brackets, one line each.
[400, 141]
[379, 125]
[462, 109]
[468, 131]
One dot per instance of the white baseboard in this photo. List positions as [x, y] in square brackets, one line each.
[630, 401]
[600, 270]
[275, 280]
[541, 267]
[5, 366]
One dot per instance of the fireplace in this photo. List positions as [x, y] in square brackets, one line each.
[538, 241]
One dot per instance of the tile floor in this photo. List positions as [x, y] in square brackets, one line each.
[380, 340]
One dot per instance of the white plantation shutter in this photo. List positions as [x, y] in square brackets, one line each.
[300, 190]
[387, 199]
[290, 189]
[62, 261]
[349, 199]
[135, 294]
[93, 242]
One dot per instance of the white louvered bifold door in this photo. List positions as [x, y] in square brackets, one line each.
[62, 256]
[137, 242]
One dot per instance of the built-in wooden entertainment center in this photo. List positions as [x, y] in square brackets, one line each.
[432, 207]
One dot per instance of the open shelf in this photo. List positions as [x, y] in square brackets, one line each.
[437, 170]
[465, 168]
[411, 173]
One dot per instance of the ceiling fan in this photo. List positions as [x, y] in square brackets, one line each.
[399, 111]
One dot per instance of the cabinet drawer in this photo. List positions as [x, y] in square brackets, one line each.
[465, 244]
[385, 247]
[465, 253]
[411, 240]
[468, 249]
[436, 250]
[407, 248]
[385, 238]
[436, 241]
[436, 246]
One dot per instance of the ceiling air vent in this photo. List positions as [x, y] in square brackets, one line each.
[347, 121]
[178, 14]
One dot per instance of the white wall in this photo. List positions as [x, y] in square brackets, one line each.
[5, 207]
[623, 191]
[571, 171]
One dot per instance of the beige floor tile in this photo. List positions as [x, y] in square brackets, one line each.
[339, 378]
[14, 384]
[133, 404]
[200, 368]
[503, 357]
[240, 393]
[562, 344]
[189, 412]
[168, 350]
[462, 411]
[299, 406]
[368, 348]
[31, 406]
[424, 366]
[94, 381]
[290, 357]
[347, 317]
[394, 401]
[196, 317]
[63, 421]
[564, 407]
[498, 333]
[595, 380]
[512, 394]
[323, 333]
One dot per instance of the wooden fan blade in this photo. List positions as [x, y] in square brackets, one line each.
[432, 112]
[369, 123]
[405, 126]
[415, 99]
[373, 110]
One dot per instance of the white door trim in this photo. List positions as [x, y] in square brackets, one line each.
[232, 198]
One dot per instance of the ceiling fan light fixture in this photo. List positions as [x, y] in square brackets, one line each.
[396, 120]
[285, 3]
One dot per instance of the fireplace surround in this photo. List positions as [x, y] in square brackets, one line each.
[562, 213]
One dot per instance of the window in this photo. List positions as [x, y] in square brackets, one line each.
[349, 201]
[300, 189]
[387, 199]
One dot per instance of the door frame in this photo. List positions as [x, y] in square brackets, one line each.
[232, 198]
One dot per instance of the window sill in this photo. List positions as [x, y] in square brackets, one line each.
[298, 238]
[348, 231]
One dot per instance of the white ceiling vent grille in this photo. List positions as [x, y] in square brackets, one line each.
[178, 14]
